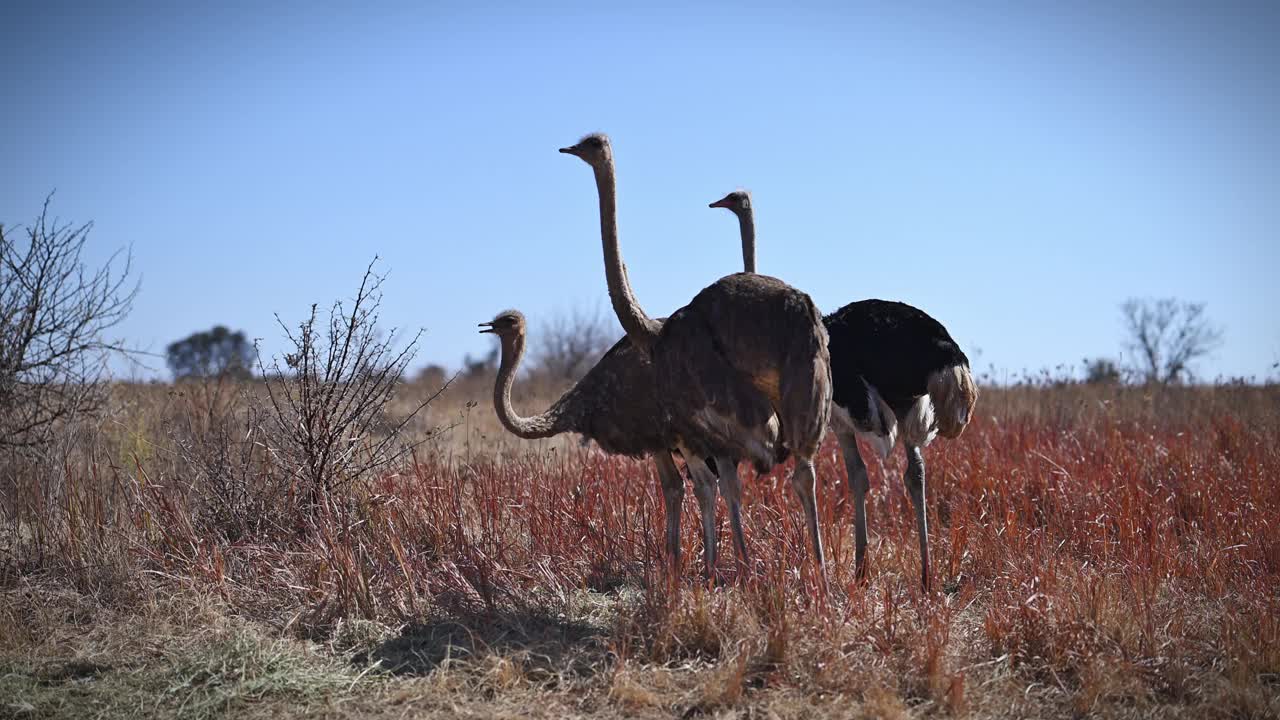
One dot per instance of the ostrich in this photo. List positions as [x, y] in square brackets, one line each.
[743, 370]
[615, 404]
[896, 371]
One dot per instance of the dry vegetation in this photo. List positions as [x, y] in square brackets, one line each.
[1100, 550]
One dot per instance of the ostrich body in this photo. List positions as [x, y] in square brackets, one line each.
[743, 370]
[614, 404]
[896, 372]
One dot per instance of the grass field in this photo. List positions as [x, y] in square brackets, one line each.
[1098, 551]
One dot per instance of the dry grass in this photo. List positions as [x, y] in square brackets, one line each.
[1101, 551]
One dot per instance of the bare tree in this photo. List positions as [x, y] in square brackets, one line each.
[569, 344]
[1167, 335]
[329, 412]
[55, 313]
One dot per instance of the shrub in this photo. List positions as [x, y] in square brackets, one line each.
[329, 408]
[55, 313]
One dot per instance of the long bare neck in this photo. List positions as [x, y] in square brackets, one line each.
[542, 425]
[747, 224]
[642, 329]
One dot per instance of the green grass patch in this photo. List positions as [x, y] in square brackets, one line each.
[228, 674]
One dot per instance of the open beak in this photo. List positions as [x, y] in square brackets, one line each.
[488, 327]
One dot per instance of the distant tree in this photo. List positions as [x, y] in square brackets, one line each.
[479, 367]
[1165, 336]
[1102, 371]
[569, 344]
[432, 375]
[217, 352]
[55, 313]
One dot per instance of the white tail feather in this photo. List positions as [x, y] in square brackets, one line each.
[919, 426]
[954, 394]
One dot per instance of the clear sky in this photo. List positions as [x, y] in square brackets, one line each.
[1017, 169]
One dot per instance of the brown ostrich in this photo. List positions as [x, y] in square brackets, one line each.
[615, 404]
[742, 371]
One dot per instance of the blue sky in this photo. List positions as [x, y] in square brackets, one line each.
[1015, 169]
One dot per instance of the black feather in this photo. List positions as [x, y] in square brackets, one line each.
[891, 345]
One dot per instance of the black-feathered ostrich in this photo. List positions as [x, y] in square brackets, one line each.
[743, 370]
[896, 372]
[616, 405]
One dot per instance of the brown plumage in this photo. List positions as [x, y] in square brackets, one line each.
[612, 404]
[742, 368]
[615, 404]
[746, 348]
[896, 372]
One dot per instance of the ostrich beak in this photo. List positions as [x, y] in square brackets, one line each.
[721, 203]
[488, 327]
[571, 150]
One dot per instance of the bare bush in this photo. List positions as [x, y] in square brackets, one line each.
[55, 313]
[223, 455]
[1167, 335]
[329, 407]
[569, 344]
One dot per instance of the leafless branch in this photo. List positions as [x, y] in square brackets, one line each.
[329, 399]
[55, 314]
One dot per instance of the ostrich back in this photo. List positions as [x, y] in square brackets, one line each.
[616, 404]
[894, 346]
[747, 349]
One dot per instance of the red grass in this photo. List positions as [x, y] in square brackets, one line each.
[1075, 553]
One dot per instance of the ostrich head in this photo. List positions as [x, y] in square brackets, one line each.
[738, 201]
[593, 149]
[506, 324]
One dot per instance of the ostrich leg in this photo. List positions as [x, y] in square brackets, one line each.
[914, 480]
[672, 499]
[804, 481]
[704, 487]
[731, 488]
[858, 485]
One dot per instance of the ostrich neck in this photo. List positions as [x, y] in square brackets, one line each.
[747, 224]
[642, 330]
[530, 428]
